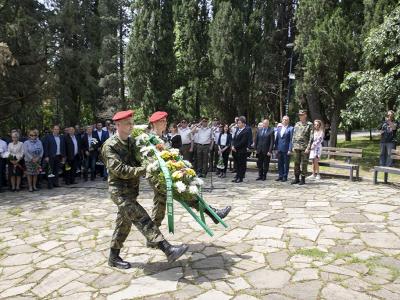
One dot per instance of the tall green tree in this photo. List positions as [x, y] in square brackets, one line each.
[24, 30]
[328, 43]
[150, 58]
[193, 64]
[77, 60]
[376, 87]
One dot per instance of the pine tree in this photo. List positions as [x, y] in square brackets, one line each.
[151, 64]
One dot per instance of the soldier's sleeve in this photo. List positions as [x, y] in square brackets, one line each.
[114, 164]
[311, 138]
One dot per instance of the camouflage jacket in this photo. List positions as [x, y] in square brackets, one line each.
[120, 158]
[302, 136]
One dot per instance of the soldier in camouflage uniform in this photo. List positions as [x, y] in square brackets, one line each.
[158, 121]
[120, 157]
[301, 145]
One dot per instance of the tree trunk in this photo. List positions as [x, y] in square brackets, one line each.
[347, 134]
[314, 105]
[334, 128]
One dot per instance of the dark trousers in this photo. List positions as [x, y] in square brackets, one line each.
[385, 158]
[283, 164]
[214, 156]
[234, 156]
[225, 157]
[2, 172]
[90, 163]
[185, 151]
[55, 165]
[202, 158]
[241, 164]
[194, 157]
[263, 164]
[71, 173]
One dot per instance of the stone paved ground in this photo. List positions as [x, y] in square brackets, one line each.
[328, 240]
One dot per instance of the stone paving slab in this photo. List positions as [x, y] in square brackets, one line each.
[332, 239]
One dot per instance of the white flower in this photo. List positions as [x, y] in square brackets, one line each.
[180, 186]
[146, 150]
[198, 181]
[193, 189]
[187, 164]
[152, 167]
[174, 151]
[142, 139]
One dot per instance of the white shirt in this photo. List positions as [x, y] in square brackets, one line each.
[186, 135]
[58, 143]
[283, 130]
[16, 150]
[75, 144]
[204, 135]
[3, 148]
[99, 133]
[224, 139]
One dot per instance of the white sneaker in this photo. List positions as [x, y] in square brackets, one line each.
[311, 177]
[318, 177]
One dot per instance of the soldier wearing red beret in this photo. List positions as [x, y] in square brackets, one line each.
[158, 122]
[118, 154]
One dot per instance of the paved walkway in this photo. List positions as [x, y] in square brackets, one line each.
[328, 240]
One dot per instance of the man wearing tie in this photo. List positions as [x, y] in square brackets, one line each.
[240, 144]
[54, 153]
[101, 136]
[283, 144]
[264, 145]
[89, 152]
[73, 150]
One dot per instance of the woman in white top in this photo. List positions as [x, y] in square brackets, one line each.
[16, 150]
[316, 149]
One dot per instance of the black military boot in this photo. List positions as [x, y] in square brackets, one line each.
[172, 252]
[296, 180]
[222, 213]
[116, 261]
[303, 180]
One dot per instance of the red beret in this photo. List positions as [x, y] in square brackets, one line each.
[123, 115]
[158, 115]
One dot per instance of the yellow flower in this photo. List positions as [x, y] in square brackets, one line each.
[179, 164]
[190, 172]
[166, 155]
[177, 175]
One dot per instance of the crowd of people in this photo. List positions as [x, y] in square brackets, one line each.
[208, 145]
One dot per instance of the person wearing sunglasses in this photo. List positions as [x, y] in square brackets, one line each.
[33, 152]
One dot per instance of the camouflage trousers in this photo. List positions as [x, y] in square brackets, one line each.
[131, 212]
[300, 159]
[160, 204]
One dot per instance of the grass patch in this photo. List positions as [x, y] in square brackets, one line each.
[95, 234]
[314, 252]
[374, 287]
[3, 252]
[75, 213]
[15, 211]
[394, 272]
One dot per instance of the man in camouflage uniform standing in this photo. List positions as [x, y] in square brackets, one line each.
[301, 145]
[158, 121]
[119, 155]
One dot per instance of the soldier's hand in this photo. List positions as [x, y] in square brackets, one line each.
[141, 171]
[289, 152]
[307, 151]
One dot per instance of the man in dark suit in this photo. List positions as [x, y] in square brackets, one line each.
[54, 154]
[240, 144]
[89, 153]
[283, 144]
[264, 144]
[101, 136]
[73, 151]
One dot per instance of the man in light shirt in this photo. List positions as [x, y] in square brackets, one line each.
[186, 136]
[204, 145]
[283, 144]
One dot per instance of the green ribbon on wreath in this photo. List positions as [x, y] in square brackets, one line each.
[170, 204]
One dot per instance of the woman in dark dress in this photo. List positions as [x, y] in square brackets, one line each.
[174, 138]
[224, 147]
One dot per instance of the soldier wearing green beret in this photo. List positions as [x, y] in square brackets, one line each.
[120, 157]
[301, 145]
